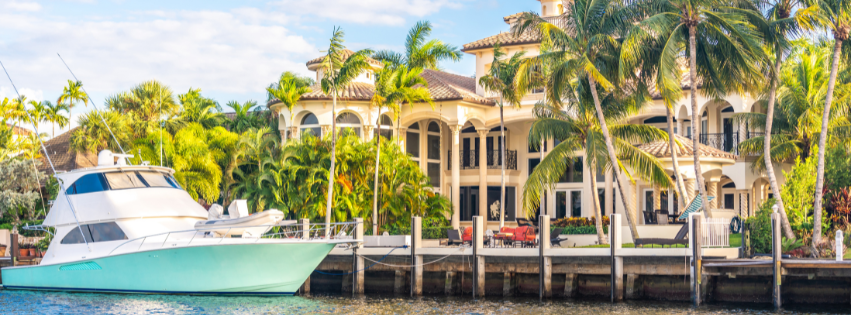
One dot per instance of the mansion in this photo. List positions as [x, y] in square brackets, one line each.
[457, 145]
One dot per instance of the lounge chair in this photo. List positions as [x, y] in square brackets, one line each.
[555, 237]
[527, 222]
[454, 237]
[524, 236]
[679, 239]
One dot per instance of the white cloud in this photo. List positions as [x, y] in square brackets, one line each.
[389, 12]
[20, 5]
[225, 51]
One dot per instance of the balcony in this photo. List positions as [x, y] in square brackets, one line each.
[728, 142]
[470, 159]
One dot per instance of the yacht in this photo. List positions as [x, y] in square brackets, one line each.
[122, 228]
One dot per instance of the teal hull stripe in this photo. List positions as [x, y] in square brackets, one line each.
[144, 291]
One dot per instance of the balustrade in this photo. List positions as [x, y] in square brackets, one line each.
[470, 159]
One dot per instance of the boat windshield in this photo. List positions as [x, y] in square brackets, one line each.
[121, 180]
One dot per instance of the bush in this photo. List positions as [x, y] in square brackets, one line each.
[759, 226]
[578, 221]
[588, 229]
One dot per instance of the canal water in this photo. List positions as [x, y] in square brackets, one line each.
[22, 302]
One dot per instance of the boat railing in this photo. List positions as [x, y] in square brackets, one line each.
[286, 230]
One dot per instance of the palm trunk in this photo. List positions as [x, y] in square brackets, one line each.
[630, 212]
[502, 163]
[822, 142]
[769, 167]
[598, 213]
[695, 119]
[330, 200]
[681, 188]
[377, 135]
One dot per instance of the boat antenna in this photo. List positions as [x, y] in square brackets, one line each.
[49, 161]
[97, 110]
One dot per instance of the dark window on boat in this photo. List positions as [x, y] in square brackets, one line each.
[154, 179]
[124, 180]
[88, 184]
[98, 232]
[173, 182]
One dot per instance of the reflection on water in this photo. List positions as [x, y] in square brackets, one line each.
[23, 302]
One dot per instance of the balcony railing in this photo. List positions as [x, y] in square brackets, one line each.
[728, 142]
[470, 159]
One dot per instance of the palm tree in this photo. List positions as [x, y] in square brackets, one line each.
[38, 113]
[834, 15]
[289, 90]
[578, 128]
[393, 87]
[418, 52]
[53, 113]
[586, 47]
[147, 105]
[198, 109]
[243, 118]
[72, 94]
[500, 79]
[729, 54]
[339, 73]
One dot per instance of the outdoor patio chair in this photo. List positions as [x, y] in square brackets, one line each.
[467, 237]
[661, 217]
[454, 237]
[555, 238]
[524, 236]
[649, 218]
[530, 223]
[679, 239]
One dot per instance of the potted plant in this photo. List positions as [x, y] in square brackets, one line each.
[2, 250]
[42, 246]
[23, 250]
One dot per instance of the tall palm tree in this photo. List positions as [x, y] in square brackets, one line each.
[289, 91]
[339, 73]
[393, 87]
[420, 53]
[199, 109]
[244, 119]
[586, 47]
[500, 79]
[55, 117]
[833, 15]
[38, 113]
[72, 94]
[729, 53]
[148, 105]
[578, 128]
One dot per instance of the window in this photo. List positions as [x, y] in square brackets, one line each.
[533, 163]
[729, 201]
[349, 121]
[434, 174]
[412, 141]
[155, 179]
[573, 174]
[433, 153]
[124, 180]
[385, 127]
[310, 125]
[88, 184]
[98, 232]
[561, 204]
[576, 203]
[601, 195]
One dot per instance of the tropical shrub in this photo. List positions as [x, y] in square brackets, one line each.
[578, 222]
[798, 195]
[759, 226]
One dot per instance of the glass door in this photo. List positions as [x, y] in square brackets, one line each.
[568, 203]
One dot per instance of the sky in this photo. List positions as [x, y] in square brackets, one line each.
[231, 50]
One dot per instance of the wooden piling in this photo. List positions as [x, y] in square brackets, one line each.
[399, 282]
[14, 252]
[448, 284]
[776, 251]
[507, 288]
[478, 261]
[416, 260]
[571, 281]
[617, 261]
[357, 261]
[545, 270]
[696, 238]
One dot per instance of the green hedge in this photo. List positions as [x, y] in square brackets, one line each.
[588, 229]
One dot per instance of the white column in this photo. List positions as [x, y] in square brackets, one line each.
[690, 187]
[743, 204]
[680, 130]
[657, 198]
[712, 190]
[456, 175]
[403, 136]
[483, 173]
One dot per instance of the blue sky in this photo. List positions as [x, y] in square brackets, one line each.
[229, 49]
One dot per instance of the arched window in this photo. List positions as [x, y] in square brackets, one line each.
[310, 124]
[385, 128]
[349, 121]
[412, 141]
[433, 147]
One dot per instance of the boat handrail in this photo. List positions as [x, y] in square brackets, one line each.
[338, 231]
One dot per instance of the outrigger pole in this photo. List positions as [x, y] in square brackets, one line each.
[46, 154]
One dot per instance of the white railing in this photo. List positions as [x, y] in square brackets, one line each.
[716, 232]
[213, 235]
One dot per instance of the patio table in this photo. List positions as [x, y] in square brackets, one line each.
[502, 237]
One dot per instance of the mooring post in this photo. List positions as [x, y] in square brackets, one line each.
[358, 264]
[305, 235]
[776, 251]
[840, 239]
[478, 261]
[545, 268]
[696, 243]
[617, 261]
[14, 249]
[416, 260]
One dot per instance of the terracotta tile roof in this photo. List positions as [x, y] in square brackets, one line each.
[507, 38]
[661, 149]
[445, 86]
[63, 159]
[18, 130]
[346, 53]
[356, 91]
